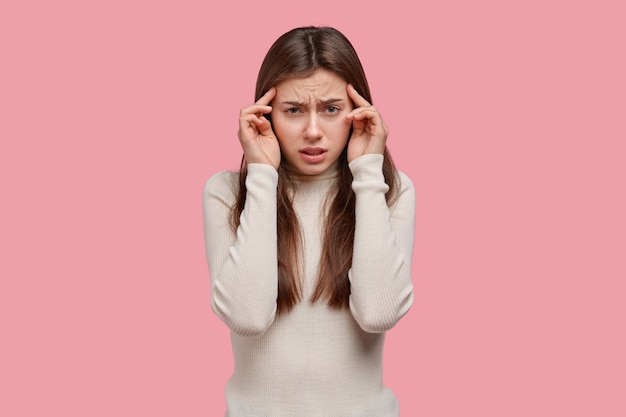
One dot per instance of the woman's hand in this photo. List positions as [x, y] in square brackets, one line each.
[369, 133]
[257, 138]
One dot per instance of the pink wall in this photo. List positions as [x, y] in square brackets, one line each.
[509, 119]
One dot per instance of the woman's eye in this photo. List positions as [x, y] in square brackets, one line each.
[292, 110]
[332, 109]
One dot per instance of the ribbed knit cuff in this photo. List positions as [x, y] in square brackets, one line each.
[367, 170]
[261, 176]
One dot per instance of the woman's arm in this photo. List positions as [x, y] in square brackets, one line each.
[380, 277]
[243, 266]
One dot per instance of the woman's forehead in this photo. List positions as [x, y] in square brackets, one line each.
[322, 85]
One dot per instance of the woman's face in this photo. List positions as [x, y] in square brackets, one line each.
[309, 120]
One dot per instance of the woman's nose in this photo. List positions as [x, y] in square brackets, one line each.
[313, 130]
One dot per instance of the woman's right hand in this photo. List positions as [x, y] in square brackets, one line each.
[257, 138]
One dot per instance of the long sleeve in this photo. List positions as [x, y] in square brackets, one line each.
[242, 266]
[380, 277]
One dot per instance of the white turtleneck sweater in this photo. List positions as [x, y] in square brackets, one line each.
[313, 361]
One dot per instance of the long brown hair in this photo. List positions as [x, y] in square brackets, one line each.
[299, 53]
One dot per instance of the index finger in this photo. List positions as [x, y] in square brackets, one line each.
[358, 100]
[267, 97]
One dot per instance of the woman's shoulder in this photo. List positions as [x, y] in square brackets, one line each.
[405, 182]
[405, 192]
[222, 184]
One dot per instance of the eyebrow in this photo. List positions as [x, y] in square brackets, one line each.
[301, 103]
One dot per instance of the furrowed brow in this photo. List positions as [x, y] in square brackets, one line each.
[302, 103]
[332, 100]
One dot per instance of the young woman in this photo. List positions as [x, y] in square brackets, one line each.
[309, 246]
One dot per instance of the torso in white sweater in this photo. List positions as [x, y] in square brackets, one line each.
[313, 361]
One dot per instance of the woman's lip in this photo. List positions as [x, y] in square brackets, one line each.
[313, 155]
[312, 151]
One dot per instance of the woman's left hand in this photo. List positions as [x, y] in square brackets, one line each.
[369, 133]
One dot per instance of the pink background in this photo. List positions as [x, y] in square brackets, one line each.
[508, 116]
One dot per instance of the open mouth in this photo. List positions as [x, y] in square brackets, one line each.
[313, 152]
[313, 155]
